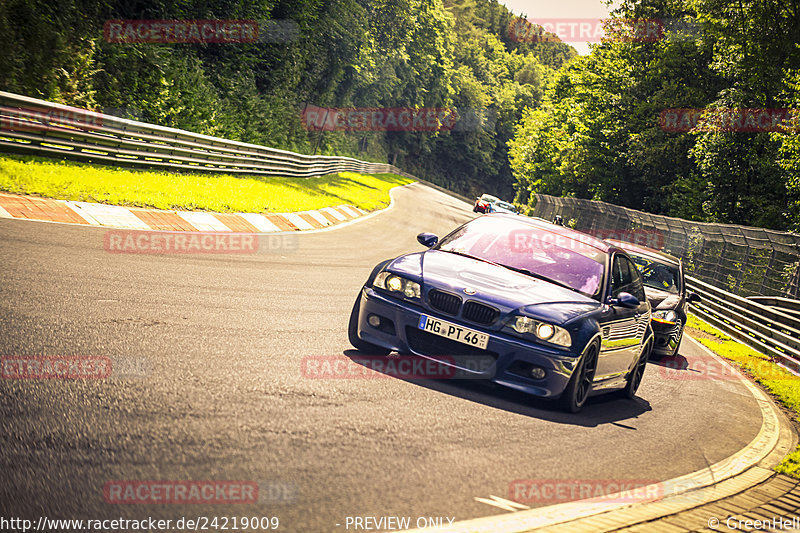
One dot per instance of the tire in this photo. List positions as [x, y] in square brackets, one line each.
[355, 340]
[635, 377]
[580, 384]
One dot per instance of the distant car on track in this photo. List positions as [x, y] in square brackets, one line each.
[558, 313]
[665, 287]
[503, 207]
[491, 204]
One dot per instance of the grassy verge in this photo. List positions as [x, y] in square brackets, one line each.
[192, 191]
[783, 385]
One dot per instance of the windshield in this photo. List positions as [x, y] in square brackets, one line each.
[544, 253]
[658, 275]
[505, 205]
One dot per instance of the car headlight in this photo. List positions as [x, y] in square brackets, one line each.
[541, 330]
[665, 316]
[397, 284]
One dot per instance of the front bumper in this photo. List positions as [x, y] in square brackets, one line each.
[510, 356]
[667, 337]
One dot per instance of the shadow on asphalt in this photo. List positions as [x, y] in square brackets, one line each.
[599, 410]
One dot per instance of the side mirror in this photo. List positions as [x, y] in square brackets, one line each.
[693, 297]
[427, 239]
[624, 299]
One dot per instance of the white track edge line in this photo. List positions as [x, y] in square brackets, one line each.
[765, 441]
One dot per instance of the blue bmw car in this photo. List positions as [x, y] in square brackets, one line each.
[557, 313]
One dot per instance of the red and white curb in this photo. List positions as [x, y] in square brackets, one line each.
[65, 211]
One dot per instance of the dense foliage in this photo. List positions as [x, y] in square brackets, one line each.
[533, 117]
[598, 135]
[342, 54]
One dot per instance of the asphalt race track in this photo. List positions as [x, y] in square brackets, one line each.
[217, 345]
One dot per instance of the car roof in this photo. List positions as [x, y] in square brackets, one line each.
[643, 250]
[569, 233]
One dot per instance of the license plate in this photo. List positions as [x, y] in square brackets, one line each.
[453, 332]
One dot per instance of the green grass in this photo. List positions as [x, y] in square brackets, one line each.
[782, 384]
[192, 191]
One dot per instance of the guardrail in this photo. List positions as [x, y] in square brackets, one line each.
[766, 329]
[744, 260]
[784, 305]
[36, 127]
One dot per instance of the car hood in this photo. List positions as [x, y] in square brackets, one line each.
[494, 285]
[662, 299]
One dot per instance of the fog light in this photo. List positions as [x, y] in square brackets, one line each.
[538, 372]
[374, 320]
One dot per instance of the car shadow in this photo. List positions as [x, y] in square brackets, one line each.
[598, 410]
[672, 362]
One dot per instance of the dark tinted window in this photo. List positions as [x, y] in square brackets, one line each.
[636, 286]
[625, 278]
[620, 276]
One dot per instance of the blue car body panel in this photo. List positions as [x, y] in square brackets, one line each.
[505, 294]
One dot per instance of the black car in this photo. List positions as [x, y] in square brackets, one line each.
[665, 286]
